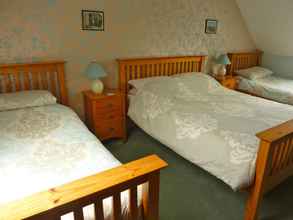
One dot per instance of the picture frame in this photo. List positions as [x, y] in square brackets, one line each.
[93, 20]
[211, 26]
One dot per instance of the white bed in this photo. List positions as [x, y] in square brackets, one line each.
[45, 145]
[271, 87]
[207, 124]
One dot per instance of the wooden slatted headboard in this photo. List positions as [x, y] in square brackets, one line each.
[244, 60]
[35, 76]
[130, 69]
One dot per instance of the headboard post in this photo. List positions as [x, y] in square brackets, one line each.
[61, 81]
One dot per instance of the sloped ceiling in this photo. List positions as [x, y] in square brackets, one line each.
[270, 23]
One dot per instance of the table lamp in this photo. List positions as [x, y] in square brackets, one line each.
[223, 60]
[94, 72]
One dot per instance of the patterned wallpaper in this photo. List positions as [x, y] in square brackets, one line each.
[51, 29]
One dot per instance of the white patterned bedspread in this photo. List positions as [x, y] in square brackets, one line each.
[207, 124]
[271, 87]
[47, 146]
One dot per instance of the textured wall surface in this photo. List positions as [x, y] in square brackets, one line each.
[51, 29]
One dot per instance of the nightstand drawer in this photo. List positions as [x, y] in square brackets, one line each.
[109, 128]
[109, 103]
[106, 114]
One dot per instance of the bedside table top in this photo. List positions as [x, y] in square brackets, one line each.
[106, 93]
[223, 78]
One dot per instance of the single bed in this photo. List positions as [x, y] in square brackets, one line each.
[211, 126]
[270, 87]
[44, 145]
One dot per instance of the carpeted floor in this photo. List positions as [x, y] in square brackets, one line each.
[189, 193]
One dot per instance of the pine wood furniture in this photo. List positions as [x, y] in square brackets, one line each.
[275, 157]
[227, 81]
[243, 61]
[72, 197]
[104, 114]
[44, 75]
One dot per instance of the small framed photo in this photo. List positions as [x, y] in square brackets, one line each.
[211, 26]
[93, 20]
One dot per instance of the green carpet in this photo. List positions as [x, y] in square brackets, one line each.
[190, 193]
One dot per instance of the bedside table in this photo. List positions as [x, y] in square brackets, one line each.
[104, 114]
[229, 82]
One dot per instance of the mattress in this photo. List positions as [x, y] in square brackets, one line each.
[271, 87]
[49, 146]
[207, 124]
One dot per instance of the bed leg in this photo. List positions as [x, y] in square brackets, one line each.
[257, 191]
[252, 206]
[151, 197]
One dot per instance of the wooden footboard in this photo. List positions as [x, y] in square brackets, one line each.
[72, 197]
[274, 164]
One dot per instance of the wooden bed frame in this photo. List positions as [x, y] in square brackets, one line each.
[245, 60]
[72, 197]
[275, 157]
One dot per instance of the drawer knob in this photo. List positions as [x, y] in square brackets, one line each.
[111, 117]
[111, 129]
[110, 105]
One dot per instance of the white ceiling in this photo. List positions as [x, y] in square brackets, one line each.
[270, 23]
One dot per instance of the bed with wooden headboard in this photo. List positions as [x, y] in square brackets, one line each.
[275, 156]
[131, 69]
[244, 60]
[73, 196]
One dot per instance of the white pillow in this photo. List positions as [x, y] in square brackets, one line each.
[25, 99]
[140, 83]
[255, 72]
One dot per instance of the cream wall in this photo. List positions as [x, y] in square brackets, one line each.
[51, 29]
[270, 24]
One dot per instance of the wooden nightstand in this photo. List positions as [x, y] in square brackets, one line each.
[104, 114]
[229, 82]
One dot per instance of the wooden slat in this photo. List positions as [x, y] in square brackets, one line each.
[151, 197]
[1, 85]
[117, 215]
[99, 211]
[5, 73]
[16, 79]
[53, 83]
[96, 185]
[62, 84]
[44, 77]
[133, 203]
[26, 78]
[78, 214]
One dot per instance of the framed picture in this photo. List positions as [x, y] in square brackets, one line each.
[211, 26]
[93, 20]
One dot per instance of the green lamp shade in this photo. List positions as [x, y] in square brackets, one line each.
[95, 71]
[223, 59]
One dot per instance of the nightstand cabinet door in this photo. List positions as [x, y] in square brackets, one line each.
[104, 115]
[110, 128]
